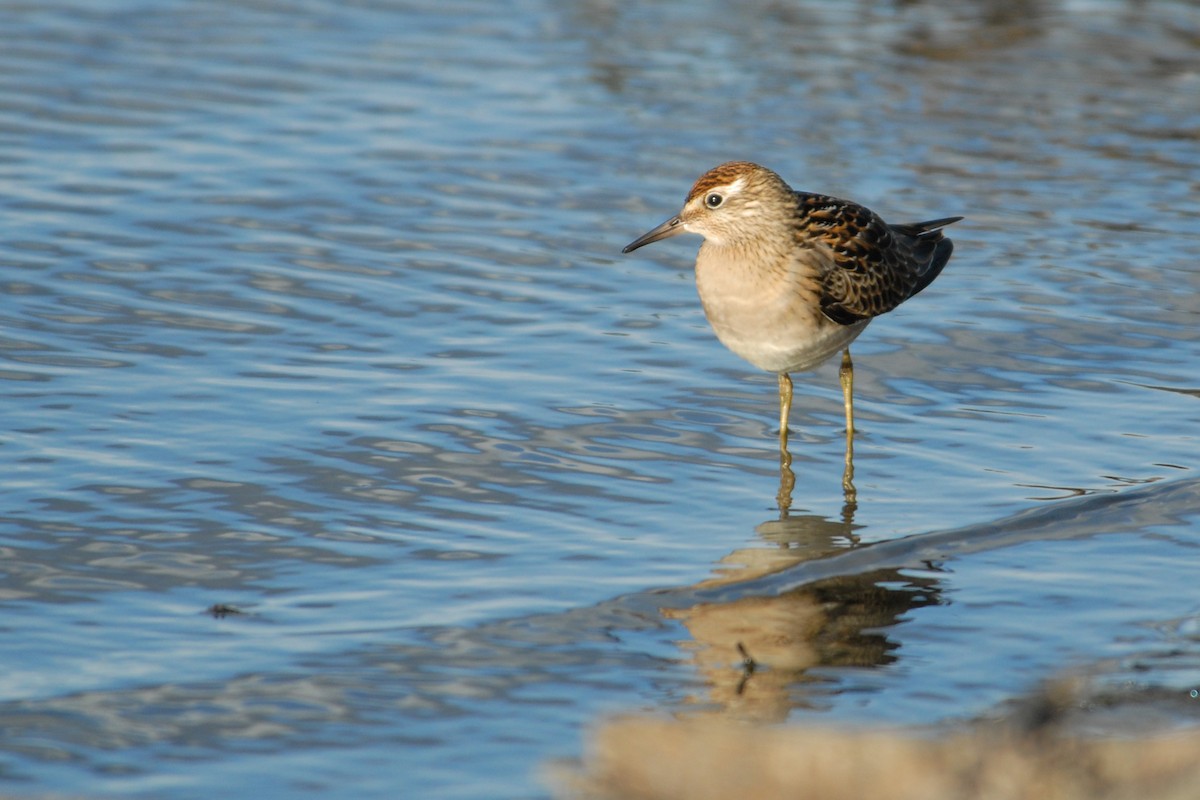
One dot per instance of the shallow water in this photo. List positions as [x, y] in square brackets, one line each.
[318, 311]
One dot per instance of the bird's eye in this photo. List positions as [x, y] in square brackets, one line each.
[713, 200]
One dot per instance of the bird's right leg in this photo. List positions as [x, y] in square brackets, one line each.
[787, 478]
[785, 407]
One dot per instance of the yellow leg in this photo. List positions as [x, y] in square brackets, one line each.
[785, 407]
[846, 375]
[787, 478]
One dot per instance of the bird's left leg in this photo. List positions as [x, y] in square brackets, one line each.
[785, 408]
[787, 478]
[846, 375]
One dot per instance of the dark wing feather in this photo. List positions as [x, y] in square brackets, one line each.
[876, 266]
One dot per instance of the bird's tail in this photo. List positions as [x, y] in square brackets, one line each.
[930, 247]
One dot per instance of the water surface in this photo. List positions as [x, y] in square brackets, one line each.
[317, 311]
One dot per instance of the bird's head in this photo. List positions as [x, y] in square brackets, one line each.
[729, 205]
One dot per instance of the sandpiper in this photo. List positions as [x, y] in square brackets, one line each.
[788, 278]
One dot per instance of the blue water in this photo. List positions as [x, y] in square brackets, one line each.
[318, 311]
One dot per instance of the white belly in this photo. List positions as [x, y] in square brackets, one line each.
[771, 318]
[782, 348]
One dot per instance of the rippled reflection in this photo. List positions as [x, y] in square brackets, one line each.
[316, 311]
[782, 639]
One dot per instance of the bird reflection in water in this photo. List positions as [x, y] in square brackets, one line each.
[758, 652]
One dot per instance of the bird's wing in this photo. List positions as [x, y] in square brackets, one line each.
[874, 266]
